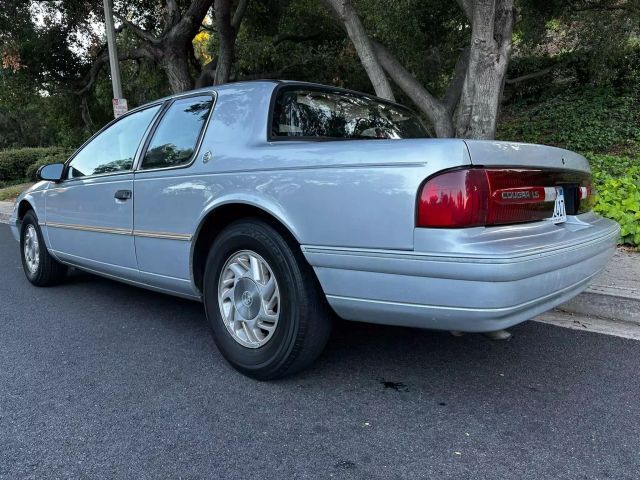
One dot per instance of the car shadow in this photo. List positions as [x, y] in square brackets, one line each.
[395, 360]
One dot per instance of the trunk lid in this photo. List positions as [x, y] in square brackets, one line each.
[494, 153]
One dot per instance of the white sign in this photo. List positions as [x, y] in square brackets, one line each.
[119, 107]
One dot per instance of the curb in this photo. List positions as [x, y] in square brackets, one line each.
[615, 293]
[610, 303]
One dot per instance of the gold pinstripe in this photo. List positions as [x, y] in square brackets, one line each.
[122, 231]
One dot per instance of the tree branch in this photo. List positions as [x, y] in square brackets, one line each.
[172, 15]
[207, 74]
[467, 8]
[238, 15]
[505, 19]
[348, 17]
[190, 23]
[103, 58]
[139, 32]
[454, 89]
[226, 41]
[198, 9]
[435, 110]
[529, 76]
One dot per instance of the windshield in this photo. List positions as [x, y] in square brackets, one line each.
[309, 113]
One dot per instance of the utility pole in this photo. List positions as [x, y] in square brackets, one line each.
[119, 103]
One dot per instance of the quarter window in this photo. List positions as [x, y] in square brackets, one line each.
[326, 114]
[114, 149]
[175, 140]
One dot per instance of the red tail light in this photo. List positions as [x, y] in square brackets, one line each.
[483, 196]
[587, 197]
[454, 199]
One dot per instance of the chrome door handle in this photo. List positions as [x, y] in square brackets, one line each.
[123, 195]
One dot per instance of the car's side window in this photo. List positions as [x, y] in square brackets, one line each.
[114, 149]
[175, 139]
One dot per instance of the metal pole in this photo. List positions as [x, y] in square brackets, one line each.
[113, 52]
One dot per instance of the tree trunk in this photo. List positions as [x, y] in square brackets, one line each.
[227, 28]
[176, 67]
[344, 10]
[86, 115]
[207, 74]
[491, 40]
[433, 108]
[226, 39]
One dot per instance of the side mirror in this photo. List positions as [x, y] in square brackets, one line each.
[52, 172]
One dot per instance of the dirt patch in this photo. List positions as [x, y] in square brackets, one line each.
[9, 194]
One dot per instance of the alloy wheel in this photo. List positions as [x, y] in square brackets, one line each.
[31, 249]
[249, 299]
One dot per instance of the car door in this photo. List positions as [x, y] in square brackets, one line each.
[170, 195]
[89, 215]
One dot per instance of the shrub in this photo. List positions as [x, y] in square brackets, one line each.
[587, 119]
[30, 174]
[619, 199]
[605, 166]
[19, 164]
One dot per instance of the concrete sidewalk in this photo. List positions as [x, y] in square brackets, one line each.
[615, 294]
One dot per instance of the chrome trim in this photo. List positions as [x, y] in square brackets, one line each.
[137, 166]
[122, 231]
[160, 103]
[166, 235]
[71, 226]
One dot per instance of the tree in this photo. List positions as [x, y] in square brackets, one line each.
[219, 69]
[491, 40]
[38, 69]
[346, 14]
[170, 43]
[469, 107]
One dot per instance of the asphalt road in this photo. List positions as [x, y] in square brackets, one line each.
[103, 380]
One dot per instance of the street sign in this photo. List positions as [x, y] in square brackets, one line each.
[119, 107]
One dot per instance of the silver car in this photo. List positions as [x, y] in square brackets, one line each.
[280, 204]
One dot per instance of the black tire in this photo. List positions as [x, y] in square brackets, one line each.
[304, 322]
[48, 271]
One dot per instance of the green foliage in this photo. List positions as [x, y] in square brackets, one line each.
[619, 199]
[617, 182]
[605, 166]
[22, 163]
[586, 119]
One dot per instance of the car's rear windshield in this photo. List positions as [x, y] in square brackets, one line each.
[306, 113]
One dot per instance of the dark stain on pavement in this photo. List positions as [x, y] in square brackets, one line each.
[397, 386]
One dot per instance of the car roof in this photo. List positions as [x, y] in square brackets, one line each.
[235, 85]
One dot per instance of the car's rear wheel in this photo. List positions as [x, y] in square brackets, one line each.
[269, 316]
[39, 266]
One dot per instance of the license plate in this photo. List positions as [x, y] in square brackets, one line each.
[559, 209]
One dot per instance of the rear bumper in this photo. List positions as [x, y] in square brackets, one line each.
[481, 280]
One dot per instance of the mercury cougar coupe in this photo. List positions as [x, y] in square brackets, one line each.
[279, 204]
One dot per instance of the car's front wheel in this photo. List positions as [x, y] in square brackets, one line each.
[39, 266]
[268, 314]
